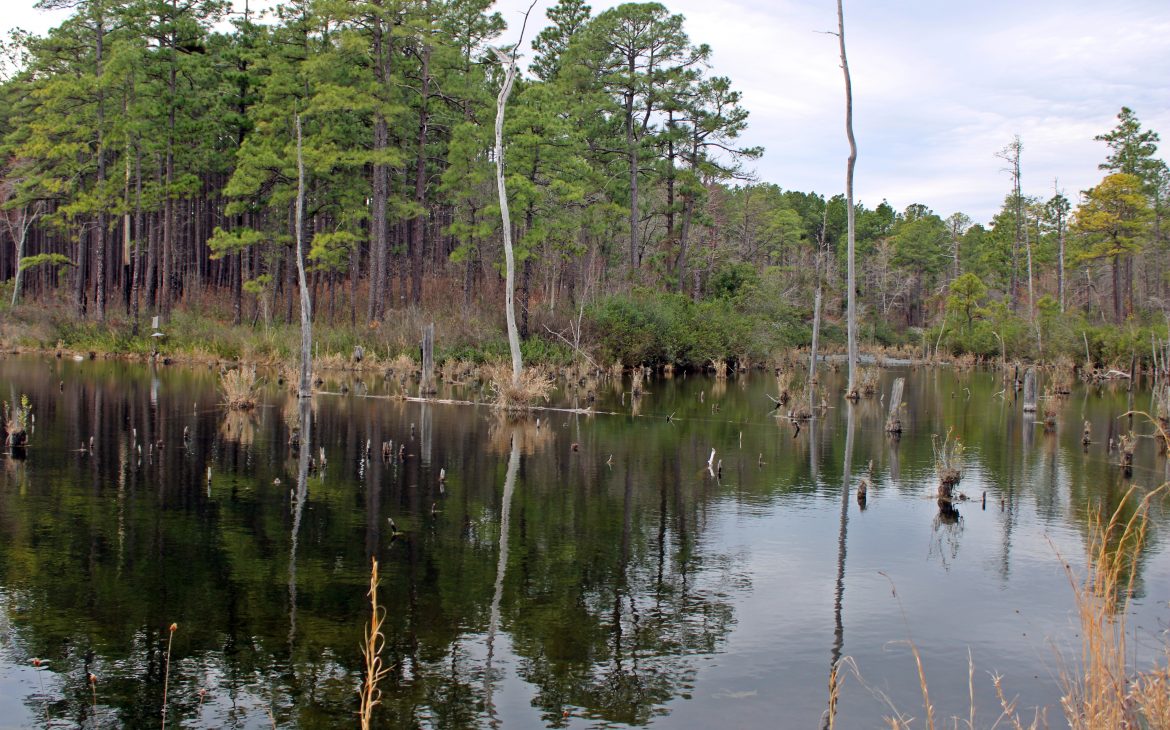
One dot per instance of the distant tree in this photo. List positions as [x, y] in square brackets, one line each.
[965, 296]
[957, 225]
[1111, 218]
[1011, 155]
[637, 52]
[1131, 148]
[1056, 211]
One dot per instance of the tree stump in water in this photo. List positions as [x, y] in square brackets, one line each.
[893, 420]
[1030, 391]
[947, 480]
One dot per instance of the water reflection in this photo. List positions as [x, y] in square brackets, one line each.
[501, 568]
[612, 578]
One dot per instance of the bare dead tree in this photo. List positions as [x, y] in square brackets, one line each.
[851, 276]
[509, 61]
[305, 389]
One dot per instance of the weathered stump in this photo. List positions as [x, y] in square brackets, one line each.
[1030, 391]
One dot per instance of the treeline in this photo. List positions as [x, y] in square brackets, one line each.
[148, 161]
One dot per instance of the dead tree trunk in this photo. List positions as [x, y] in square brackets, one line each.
[509, 256]
[305, 389]
[894, 419]
[1030, 390]
[427, 383]
[851, 299]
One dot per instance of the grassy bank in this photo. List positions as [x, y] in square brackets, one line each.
[747, 327]
[635, 329]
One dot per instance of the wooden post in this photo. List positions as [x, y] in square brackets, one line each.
[1030, 390]
[427, 385]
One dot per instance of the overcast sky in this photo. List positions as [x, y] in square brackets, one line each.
[939, 87]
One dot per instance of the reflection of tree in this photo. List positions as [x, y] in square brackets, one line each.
[842, 535]
[946, 529]
[609, 591]
[238, 427]
[507, 432]
[501, 568]
[305, 428]
[632, 613]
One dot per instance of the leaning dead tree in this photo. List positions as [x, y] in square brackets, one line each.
[851, 274]
[509, 61]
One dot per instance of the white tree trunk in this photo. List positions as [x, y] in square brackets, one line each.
[506, 219]
[851, 276]
[305, 389]
[18, 229]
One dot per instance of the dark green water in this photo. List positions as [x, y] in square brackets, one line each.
[615, 582]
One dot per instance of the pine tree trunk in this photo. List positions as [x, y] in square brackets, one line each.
[632, 155]
[100, 242]
[420, 185]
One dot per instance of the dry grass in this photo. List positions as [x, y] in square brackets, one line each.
[239, 387]
[637, 376]
[948, 462]
[15, 421]
[867, 381]
[401, 367]
[720, 368]
[1127, 445]
[331, 361]
[375, 642]
[1063, 375]
[457, 372]
[535, 385]
[787, 383]
[965, 361]
[290, 377]
[1103, 691]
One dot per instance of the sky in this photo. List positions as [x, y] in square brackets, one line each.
[939, 88]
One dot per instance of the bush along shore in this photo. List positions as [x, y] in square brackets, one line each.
[641, 328]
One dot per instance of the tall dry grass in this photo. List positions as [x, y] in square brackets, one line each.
[867, 381]
[1103, 688]
[239, 387]
[374, 643]
[948, 462]
[535, 385]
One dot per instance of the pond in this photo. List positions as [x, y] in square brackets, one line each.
[580, 571]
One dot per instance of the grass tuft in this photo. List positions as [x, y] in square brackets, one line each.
[239, 386]
[535, 385]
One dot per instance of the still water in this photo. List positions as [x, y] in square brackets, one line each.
[589, 571]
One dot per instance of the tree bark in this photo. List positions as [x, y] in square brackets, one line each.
[305, 389]
[851, 299]
[100, 242]
[418, 225]
[506, 220]
[632, 155]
